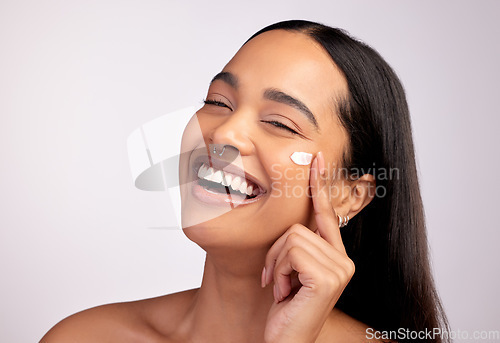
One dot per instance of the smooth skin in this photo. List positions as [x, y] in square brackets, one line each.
[274, 268]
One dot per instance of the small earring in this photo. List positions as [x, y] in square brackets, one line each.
[343, 221]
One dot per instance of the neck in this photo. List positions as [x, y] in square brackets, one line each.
[231, 305]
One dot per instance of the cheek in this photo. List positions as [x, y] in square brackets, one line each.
[290, 183]
[287, 179]
[289, 199]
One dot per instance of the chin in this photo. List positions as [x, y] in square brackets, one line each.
[219, 234]
[235, 232]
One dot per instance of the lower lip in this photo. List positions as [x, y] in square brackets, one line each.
[220, 199]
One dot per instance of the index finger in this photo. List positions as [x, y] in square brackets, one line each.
[326, 218]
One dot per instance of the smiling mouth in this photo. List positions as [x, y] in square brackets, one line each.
[222, 182]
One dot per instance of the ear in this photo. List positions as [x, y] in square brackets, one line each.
[359, 194]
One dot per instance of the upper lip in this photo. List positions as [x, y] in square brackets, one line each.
[226, 167]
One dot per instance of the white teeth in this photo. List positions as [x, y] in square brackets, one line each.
[209, 173]
[243, 187]
[217, 176]
[229, 179]
[236, 183]
[202, 171]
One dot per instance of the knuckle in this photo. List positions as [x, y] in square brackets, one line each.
[327, 285]
[346, 271]
[295, 228]
[295, 252]
[332, 283]
[351, 267]
[344, 275]
[293, 239]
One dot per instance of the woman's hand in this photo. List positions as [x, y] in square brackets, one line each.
[310, 271]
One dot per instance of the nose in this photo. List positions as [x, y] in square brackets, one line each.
[235, 131]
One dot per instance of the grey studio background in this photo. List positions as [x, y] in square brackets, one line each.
[76, 78]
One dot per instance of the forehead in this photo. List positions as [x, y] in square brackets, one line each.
[291, 62]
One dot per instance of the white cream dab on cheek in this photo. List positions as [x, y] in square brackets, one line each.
[301, 158]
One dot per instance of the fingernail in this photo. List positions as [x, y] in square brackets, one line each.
[321, 163]
[275, 293]
[278, 291]
[314, 165]
[268, 277]
[263, 277]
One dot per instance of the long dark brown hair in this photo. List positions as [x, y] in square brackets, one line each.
[392, 287]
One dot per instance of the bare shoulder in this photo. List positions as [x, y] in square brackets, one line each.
[106, 323]
[341, 327]
[148, 320]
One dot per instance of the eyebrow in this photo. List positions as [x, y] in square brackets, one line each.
[228, 78]
[279, 96]
[272, 94]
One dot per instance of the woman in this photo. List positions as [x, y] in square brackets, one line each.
[279, 268]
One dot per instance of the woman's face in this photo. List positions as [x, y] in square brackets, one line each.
[276, 96]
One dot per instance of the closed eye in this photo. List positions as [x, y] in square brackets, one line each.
[216, 103]
[280, 125]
